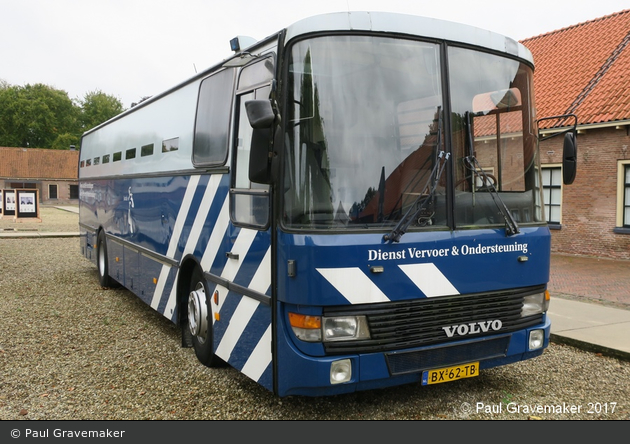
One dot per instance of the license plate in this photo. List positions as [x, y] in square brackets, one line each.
[448, 374]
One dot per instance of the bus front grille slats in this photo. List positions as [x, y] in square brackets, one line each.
[400, 325]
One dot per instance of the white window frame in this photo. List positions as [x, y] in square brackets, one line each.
[623, 191]
[547, 205]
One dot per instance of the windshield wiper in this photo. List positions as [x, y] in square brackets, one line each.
[421, 201]
[511, 227]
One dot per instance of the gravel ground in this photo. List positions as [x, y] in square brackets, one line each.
[70, 349]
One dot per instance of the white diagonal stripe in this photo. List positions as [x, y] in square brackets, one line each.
[195, 232]
[181, 216]
[202, 214]
[262, 278]
[245, 309]
[354, 285]
[216, 237]
[260, 358]
[174, 240]
[241, 247]
[236, 327]
[429, 279]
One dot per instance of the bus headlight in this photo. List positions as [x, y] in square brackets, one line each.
[535, 304]
[345, 328]
[338, 328]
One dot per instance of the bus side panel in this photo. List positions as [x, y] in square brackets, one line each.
[242, 335]
[149, 272]
[242, 329]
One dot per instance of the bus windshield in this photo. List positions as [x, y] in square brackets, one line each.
[365, 141]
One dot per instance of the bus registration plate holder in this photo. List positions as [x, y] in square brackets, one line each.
[448, 374]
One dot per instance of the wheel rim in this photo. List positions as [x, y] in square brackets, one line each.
[198, 312]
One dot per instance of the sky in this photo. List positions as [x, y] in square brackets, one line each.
[132, 49]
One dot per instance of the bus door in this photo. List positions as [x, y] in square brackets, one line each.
[243, 328]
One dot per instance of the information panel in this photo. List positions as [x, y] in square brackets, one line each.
[26, 203]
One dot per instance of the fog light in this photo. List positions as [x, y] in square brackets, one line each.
[536, 339]
[340, 371]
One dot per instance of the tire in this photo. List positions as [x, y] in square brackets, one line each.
[102, 262]
[199, 321]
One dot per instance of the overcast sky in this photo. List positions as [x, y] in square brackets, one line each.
[136, 48]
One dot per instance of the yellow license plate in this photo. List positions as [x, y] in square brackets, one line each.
[448, 374]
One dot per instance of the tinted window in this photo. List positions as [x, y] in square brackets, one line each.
[170, 145]
[146, 150]
[213, 119]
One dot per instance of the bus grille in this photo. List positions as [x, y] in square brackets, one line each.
[415, 361]
[408, 324]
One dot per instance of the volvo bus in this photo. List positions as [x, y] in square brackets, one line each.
[351, 203]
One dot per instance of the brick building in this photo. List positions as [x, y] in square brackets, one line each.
[53, 172]
[585, 70]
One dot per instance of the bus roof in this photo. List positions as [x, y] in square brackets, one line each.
[411, 25]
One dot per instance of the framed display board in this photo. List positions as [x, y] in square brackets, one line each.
[8, 202]
[26, 203]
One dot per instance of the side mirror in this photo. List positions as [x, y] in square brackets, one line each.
[569, 158]
[261, 117]
[259, 160]
[260, 113]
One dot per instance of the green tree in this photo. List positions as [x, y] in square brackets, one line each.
[35, 116]
[98, 107]
[65, 141]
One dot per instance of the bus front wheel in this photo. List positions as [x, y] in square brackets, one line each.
[200, 320]
[102, 262]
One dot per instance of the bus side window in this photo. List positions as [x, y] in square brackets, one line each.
[210, 145]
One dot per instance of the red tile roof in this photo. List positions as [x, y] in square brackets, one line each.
[38, 164]
[584, 69]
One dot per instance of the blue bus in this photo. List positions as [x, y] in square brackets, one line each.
[353, 202]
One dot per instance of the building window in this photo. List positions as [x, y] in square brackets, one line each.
[52, 191]
[623, 197]
[22, 185]
[552, 193]
[74, 191]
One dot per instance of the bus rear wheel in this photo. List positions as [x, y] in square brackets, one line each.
[200, 321]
